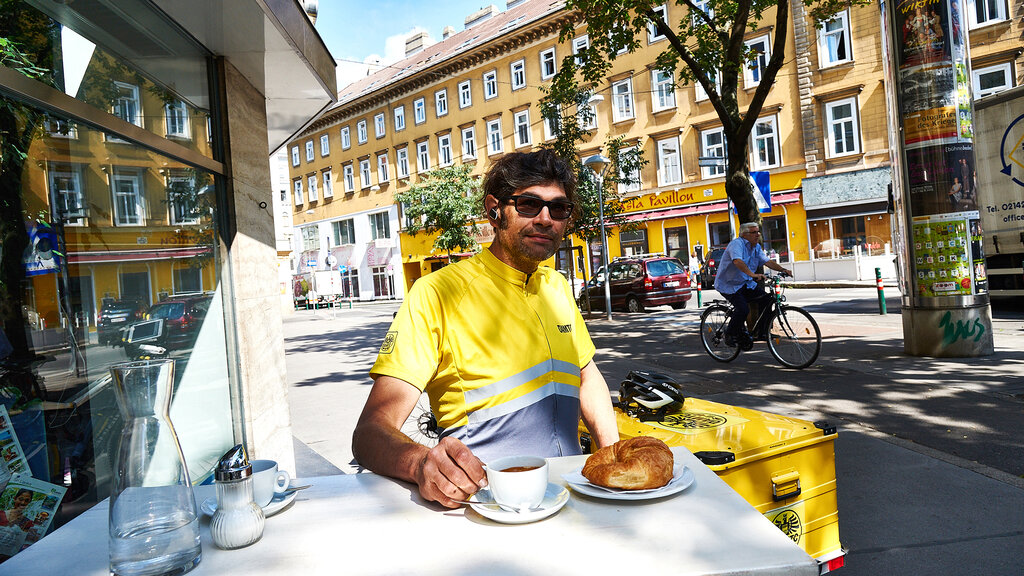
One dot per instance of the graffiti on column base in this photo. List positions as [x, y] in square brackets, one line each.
[960, 329]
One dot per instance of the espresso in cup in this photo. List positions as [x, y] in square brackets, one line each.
[518, 481]
[267, 481]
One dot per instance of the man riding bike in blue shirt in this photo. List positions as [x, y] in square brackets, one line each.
[737, 281]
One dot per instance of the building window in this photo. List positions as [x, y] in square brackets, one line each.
[465, 94]
[444, 150]
[325, 145]
[712, 143]
[579, 47]
[348, 173]
[518, 71]
[399, 118]
[494, 136]
[66, 191]
[379, 125]
[842, 128]
[60, 128]
[752, 73]
[346, 138]
[716, 80]
[834, 40]
[653, 35]
[176, 118]
[328, 184]
[364, 173]
[402, 162]
[423, 156]
[702, 6]
[361, 131]
[588, 119]
[844, 236]
[295, 155]
[441, 103]
[297, 185]
[992, 79]
[982, 12]
[380, 227]
[522, 126]
[129, 209]
[548, 64]
[664, 96]
[469, 143]
[127, 105]
[629, 181]
[490, 84]
[310, 238]
[382, 168]
[383, 283]
[669, 169]
[622, 98]
[309, 151]
[311, 182]
[551, 126]
[344, 232]
[765, 149]
[419, 110]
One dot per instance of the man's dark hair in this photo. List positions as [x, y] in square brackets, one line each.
[520, 170]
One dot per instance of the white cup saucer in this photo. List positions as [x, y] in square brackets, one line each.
[554, 498]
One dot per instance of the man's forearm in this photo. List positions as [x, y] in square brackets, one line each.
[385, 450]
[596, 407]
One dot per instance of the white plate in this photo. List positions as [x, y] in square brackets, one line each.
[209, 506]
[554, 498]
[682, 477]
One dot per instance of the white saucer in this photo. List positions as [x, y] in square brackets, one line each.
[209, 506]
[682, 477]
[554, 498]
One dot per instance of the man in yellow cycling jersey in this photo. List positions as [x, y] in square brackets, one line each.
[496, 342]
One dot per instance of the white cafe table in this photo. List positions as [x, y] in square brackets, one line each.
[369, 524]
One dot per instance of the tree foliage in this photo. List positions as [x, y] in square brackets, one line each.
[705, 45]
[447, 203]
[567, 108]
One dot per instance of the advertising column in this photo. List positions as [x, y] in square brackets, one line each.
[942, 270]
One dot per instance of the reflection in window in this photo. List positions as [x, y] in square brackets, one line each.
[127, 105]
[176, 117]
[128, 203]
[182, 196]
[66, 193]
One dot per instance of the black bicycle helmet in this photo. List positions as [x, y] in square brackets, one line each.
[649, 394]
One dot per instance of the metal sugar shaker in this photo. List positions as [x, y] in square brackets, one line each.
[238, 521]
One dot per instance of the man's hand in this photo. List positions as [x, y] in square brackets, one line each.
[449, 472]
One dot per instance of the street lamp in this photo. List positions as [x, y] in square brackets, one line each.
[599, 164]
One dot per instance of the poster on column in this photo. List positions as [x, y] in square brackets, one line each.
[933, 90]
[947, 251]
[942, 178]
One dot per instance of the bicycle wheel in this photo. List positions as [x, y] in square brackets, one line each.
[794, 338]
[713, 322]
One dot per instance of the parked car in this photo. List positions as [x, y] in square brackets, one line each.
[709, 268]
[639, 282]
[115, 316]
[182, 316]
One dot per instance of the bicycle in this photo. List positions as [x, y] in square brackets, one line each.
[792, 334]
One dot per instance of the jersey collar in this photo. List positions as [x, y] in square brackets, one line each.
[502, 270]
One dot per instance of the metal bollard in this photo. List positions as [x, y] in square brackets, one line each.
[698, 293]
[881, 291]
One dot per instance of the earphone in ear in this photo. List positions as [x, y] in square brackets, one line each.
[494, 214]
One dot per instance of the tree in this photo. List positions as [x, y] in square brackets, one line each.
[709, 41]
[567, 110]
[446, 203]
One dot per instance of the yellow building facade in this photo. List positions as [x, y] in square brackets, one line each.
[821, 136]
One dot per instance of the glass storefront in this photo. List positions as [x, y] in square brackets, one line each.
[869, 234]
[111, 249]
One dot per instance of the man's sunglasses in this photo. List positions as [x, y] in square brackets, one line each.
[531, 206]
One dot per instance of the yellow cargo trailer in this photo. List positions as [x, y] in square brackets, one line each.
[784, 467]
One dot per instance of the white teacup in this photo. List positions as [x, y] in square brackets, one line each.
[518, 481]
[267, 480]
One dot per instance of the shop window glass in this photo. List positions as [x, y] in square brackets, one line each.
[632, 243]
[774, 238]
[114, 230]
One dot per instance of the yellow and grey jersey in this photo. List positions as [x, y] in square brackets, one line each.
[499, 354]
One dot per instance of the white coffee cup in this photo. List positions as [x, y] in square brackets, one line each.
[518, 481]
[267, 480]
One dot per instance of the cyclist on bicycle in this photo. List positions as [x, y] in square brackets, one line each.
[738, 283]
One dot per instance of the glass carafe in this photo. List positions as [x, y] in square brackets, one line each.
[154, 525]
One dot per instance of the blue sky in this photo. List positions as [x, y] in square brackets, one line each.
[358, 29]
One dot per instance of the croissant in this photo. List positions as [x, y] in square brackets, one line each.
[639, 463]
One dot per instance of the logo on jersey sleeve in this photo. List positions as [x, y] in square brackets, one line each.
[564, 328]
[388, 346]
